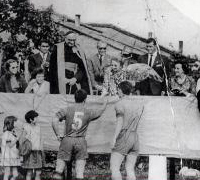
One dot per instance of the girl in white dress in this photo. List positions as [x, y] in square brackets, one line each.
[10, 154]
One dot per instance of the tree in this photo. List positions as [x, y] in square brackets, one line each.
[25, 23]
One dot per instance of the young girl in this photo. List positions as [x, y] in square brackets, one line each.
[10, 154]
[31, 131]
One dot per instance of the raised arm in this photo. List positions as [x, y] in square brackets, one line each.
[98, 112]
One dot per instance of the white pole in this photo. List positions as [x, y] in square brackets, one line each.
[157, 168]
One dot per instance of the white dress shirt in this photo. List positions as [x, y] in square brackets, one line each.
[153, 58]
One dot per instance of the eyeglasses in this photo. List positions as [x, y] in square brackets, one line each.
[102, 48]
[126, 55]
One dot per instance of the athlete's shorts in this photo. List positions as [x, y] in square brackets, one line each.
[126, 144]
[73, 145]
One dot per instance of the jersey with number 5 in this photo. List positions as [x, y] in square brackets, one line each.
[77, 119]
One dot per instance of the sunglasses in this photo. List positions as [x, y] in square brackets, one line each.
[126, 55]
[102, 48]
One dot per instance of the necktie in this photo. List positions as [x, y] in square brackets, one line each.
[100, 60]
[150, 60]
[43, 57]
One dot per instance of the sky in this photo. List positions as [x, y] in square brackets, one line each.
[132, 15]
[188, 7]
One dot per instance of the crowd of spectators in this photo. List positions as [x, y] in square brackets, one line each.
[99, 74]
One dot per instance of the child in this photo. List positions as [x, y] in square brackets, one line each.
[38, 85]
[10, 154]
[77, 118]
[125, 142]
[31, 131]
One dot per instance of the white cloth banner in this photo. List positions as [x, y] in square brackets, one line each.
[169, 126]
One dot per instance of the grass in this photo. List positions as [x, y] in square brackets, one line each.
[97, 167]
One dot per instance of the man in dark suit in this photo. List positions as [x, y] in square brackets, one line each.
[40, 59]
[158, 63]
[97, 65]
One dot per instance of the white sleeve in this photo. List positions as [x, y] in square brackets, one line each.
[198, 86]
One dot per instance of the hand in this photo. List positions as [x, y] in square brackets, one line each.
[72, 81]
[162, 93]
[46, 64]
[32, 82]
[98, 87]
[59, 137]
[104, 92]
[184, 92]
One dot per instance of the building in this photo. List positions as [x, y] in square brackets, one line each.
[115, 37]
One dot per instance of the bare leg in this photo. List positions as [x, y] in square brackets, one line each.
[60, 165]
[6, 173]
[28, 174]
[115, 163]
[80, 167]
[37, 174]
[130, 166]
[14, 173]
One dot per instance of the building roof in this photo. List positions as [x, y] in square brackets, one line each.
[114, 36]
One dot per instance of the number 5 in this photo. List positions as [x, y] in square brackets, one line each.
[77, 121]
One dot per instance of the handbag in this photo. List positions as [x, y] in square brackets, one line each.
[25, 147]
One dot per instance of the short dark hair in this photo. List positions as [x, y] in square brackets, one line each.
[30, 115]
[151, 40]
[9, 123]
[36, 71]
[184, 66]
[43, 41]
[8, 62]
[80, 95]
[126, 87]
[69, 32]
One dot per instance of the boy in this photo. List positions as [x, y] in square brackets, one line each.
[125, 141]
[77, 118]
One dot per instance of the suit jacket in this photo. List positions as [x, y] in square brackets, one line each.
[96, 70]
[149, 86]
[35, 61]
